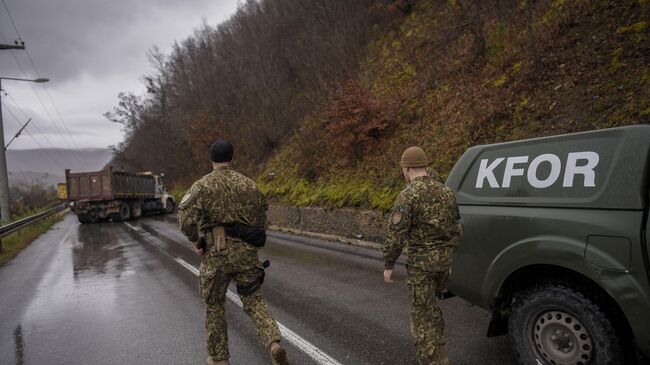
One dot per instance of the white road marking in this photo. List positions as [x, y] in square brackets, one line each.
[188, 266]
[305, 346]
[67, 234]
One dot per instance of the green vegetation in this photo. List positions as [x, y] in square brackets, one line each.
[178, 191]
[340, 191]
[447, 88]
[27, 200]
[325, 117]
[15, 242]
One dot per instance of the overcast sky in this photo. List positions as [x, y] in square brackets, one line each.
[90, 50]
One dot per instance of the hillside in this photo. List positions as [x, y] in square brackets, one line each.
[329, 130]
[29, 178]
[575, 66]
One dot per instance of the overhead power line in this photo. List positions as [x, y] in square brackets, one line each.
[40, 146]
[72, 146]
[56, 109]
[11, 18]
[27, 116]
[53, 148]
[47, 155]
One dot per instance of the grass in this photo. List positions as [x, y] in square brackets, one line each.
[178, 191]
[17, 241]
[337, 192]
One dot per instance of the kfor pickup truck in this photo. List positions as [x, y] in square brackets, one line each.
[555, 244]
[116, 195]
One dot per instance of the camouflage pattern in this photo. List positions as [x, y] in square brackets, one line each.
[221, 197]
[424, 219]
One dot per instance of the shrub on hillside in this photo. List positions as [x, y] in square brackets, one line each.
[356, 120]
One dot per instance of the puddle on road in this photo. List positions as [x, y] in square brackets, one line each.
[82, 285]
[98, 251]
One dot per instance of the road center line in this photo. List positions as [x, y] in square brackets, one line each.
[305, 346]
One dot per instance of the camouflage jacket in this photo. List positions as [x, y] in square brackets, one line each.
[221, 197]
[425, 218]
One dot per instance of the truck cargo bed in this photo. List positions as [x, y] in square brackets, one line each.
[108, 184]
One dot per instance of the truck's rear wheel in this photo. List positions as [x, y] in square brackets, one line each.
[556, 325]
[136, 210]
[123, 214]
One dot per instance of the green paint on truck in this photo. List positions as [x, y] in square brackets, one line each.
[555, 244]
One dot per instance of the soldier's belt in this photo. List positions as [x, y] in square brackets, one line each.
[250, 235]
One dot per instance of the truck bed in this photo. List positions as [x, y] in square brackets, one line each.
[108, 185]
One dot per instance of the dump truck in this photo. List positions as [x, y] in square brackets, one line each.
[116, 195]
[555, 244]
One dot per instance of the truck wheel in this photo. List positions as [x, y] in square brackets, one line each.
[87, 218]
[83, 218]
[556, 325]
[169, 208]
[136, 210]
[123, 215]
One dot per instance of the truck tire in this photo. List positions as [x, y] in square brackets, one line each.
[123, 215]
[87, 218]
[554, 325]
[83, 218]
[169, 208]
[136, 210]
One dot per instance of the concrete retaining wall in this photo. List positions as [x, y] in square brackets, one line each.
[360, 224]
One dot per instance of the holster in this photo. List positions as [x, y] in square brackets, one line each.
[219, 238]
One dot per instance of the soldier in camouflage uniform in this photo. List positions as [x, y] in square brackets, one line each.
[425, 219]
[222, 198]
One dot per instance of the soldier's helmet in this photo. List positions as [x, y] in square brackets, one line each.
[414, 157]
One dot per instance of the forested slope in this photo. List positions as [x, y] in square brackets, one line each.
[321, 98]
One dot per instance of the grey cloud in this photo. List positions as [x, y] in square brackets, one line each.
[91, 50]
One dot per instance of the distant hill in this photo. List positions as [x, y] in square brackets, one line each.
[31, 177]
[48, 166]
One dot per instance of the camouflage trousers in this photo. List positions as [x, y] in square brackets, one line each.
[241, 264]
[427, 324]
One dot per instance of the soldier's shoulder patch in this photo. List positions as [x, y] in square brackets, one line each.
[187, 199]
[396, 217]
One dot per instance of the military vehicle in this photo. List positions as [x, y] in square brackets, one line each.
[555, 244]
[116, 195]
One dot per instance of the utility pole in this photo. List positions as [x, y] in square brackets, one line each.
[5, 212]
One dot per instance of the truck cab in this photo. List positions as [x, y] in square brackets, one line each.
[555, 229]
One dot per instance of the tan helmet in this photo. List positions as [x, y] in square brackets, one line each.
[414, 157]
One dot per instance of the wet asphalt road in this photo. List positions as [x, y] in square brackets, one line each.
[123, 293]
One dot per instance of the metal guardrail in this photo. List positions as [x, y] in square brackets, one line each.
[24, 222]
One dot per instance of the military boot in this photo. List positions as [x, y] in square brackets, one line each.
[440, 356]
[220, 362]
[278, 354]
